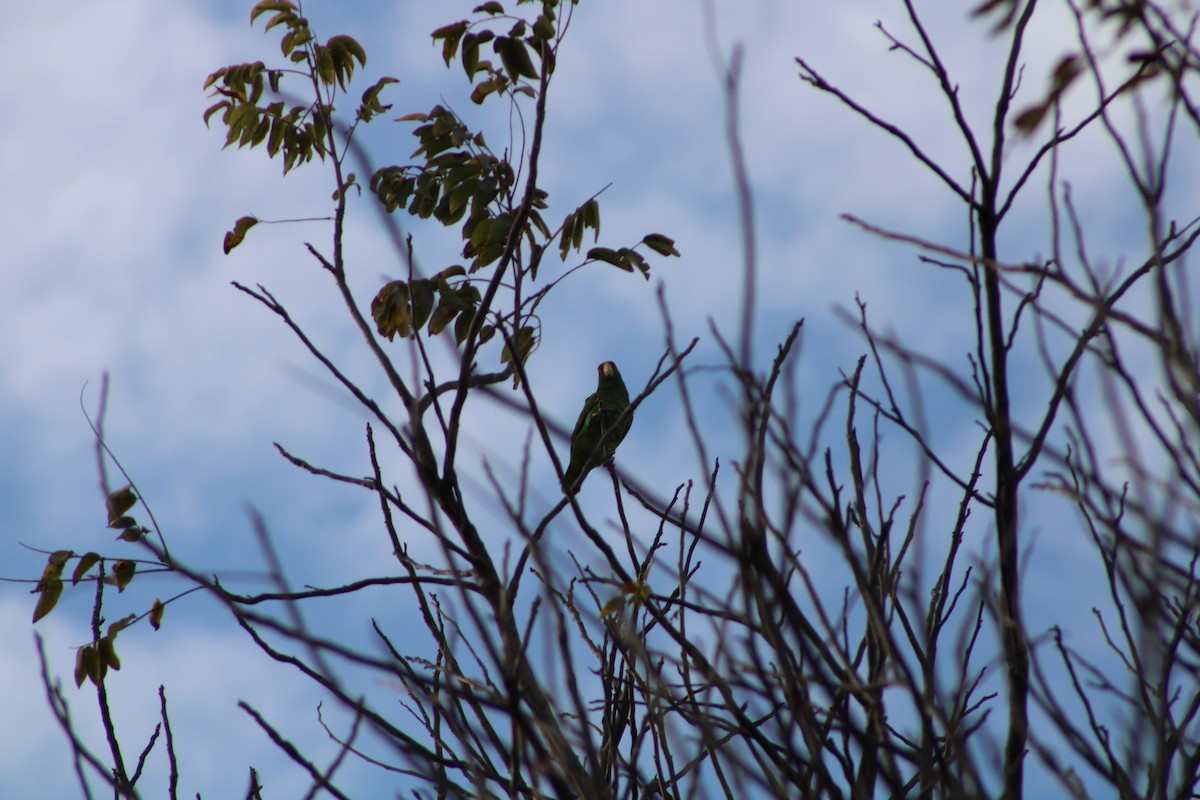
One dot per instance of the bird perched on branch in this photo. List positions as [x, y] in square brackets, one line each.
[602, 424]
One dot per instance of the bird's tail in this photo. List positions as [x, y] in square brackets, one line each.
[570, 480]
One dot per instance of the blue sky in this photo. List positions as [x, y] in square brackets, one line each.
[118, 198]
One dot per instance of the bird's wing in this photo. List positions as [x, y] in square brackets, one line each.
[589, 408]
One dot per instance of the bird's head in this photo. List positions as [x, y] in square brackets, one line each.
[607, 369]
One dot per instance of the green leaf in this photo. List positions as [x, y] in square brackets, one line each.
[663, 245]
[279, 129]
[441, 318]
[422, 302]
[524, 343]
[294, 40]
[335, 61]
[515, 58]
[634, 260]
[591, 217]
[350, 46]
[463, 327]
[133, 534]
[370, 100]
[282, 18]
[536, 251]
[608, 256]
[625, 258]
[568, 234]
[392, 186]
[264, 6]
[543, 26]
[470, 54]
[450, 35]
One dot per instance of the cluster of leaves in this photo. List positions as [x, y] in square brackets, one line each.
[456, 178]
[402, 307]
[300, 131]
[93, 660]
[514, 49]
[460, 181]
[576, 224]
[1149, 64]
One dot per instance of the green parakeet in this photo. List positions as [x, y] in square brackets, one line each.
[602, 425]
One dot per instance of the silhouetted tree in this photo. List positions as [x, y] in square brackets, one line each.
[697, 654]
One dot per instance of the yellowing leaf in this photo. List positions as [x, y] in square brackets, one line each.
[451, 35]
[123, 573]
[121, 625]
[392, 311]
[270, 5]
[119, 502]
[234, 237]
[50, 586]
[50, 591]
[525, 341]
[108, 654]
[156, 614]
[612, 607]
[1029, 119]
[86, 562]
[441, 317]
[637, 591]
[85, 664]
[133, 533]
